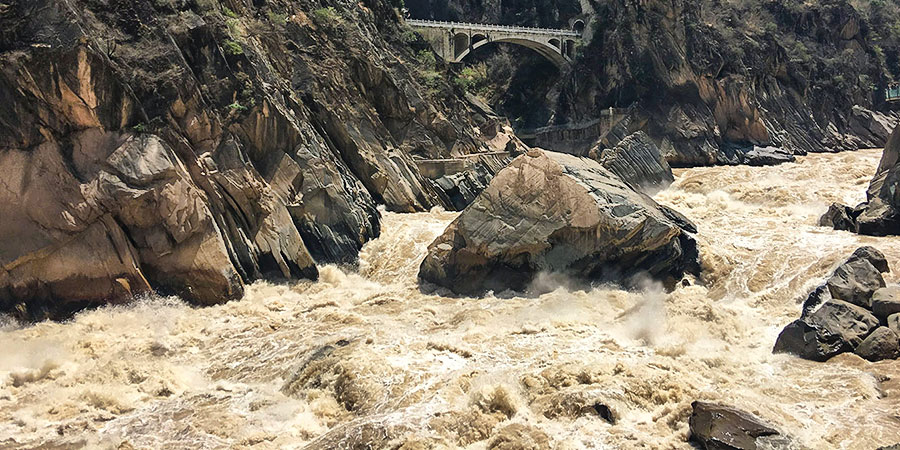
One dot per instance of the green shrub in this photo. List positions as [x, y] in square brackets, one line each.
[409, 36]
[277, 18]
[229, 12]
[427, 59]
[233, 48]
[326, 16]
[237, 107]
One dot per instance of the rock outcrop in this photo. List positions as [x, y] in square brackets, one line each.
[637, 161]
[552, 212]
[706, 84]
[717, 427]
[839, 316]
[880, 214]
[191, 147]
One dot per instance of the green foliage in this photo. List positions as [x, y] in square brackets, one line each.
[229, 13]
[427, 59]
[236, 106]
[277, 18]
[474, 79]
[233, 48]
[409, 36]
[139, 128]
[326, 16]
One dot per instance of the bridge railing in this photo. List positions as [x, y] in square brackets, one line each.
[486, 27]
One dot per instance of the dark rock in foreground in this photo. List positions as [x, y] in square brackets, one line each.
[717, 427]
[838, 316]
[836, 327]
[551, 212]
[880, 215]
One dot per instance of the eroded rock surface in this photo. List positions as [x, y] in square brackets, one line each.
[551, 212]
[189, 148]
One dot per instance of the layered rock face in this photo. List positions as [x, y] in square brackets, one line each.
[557, 213]
[880, 214]
[707, 80]
[191, 147]
[852, 312]
[637, 161]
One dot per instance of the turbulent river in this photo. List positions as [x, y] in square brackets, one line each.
[366, 357]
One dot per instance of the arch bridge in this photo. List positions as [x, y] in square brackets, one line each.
[453, 41]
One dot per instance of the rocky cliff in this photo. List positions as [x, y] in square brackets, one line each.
[192, 146]
[707, 80]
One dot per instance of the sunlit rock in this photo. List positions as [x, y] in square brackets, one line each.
[551, 212]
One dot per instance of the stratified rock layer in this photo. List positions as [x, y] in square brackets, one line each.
[189, 148]
[551, 212]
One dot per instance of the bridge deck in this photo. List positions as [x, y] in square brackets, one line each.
[486, 27]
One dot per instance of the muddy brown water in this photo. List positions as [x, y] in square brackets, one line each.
[367, 358]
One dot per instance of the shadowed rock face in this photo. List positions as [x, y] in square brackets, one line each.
[880, 215]
[164, 146]
[557, 213]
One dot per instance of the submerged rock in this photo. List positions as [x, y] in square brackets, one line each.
[550, 212]
[717, 427]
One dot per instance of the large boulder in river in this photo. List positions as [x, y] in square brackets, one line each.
[717, 427]
[551, 212]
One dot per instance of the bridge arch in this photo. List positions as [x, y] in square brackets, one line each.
[547, 49]
[578, 26]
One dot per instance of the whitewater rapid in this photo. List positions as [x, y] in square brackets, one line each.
[367, 357]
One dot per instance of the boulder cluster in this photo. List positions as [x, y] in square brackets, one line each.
[854, 311]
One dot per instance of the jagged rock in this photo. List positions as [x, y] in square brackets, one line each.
[559, 213]
[883, 343]
[886, 301]
[637, 161]
[816, 299]
[151, 149]
[717, 427]
[766, 156]
[874, 256]
[855, 281]
[840, 217]
[836, 327]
